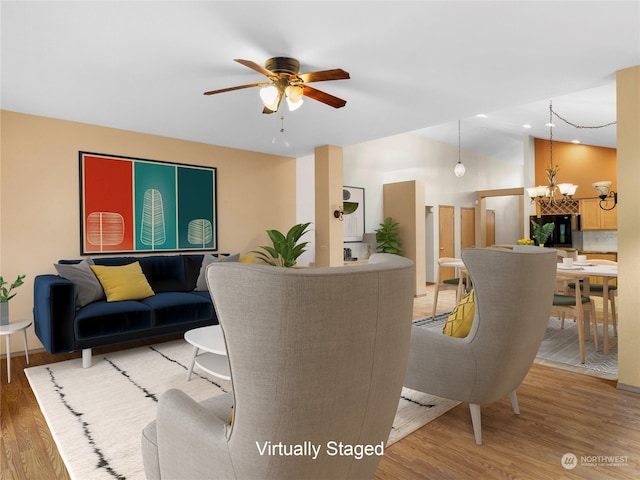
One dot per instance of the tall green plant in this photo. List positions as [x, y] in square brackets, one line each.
[286, 249]
[387, 237]
[542, 232]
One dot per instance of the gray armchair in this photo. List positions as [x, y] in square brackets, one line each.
[316, 356]
[514, 292]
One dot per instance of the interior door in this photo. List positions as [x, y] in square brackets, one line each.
[491, 227]
[446, 235]
[467, 228]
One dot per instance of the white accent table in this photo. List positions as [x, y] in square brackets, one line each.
[7, 330]
[214, 359]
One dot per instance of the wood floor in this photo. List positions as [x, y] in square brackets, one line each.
[561, 413]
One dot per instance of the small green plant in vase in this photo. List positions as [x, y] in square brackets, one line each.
[542, 232]
[6, 295]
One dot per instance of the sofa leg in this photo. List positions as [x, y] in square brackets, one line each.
[86, 358]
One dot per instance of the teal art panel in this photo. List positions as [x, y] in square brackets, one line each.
[155, 206]
[196, 208]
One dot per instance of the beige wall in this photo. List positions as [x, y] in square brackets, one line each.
[628, 142]
[39, 182]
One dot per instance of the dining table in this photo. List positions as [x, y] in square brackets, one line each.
[582, 271]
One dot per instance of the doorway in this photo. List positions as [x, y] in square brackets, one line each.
[491, 227]
[446, 235]
[467, 228]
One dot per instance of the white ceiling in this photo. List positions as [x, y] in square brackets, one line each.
[415, 66]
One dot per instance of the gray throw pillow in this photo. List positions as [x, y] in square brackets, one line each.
[208, 259]
[88, 288]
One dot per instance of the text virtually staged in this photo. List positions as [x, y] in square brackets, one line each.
[310, 449]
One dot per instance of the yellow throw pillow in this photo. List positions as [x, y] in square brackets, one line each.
[126, 282]
[247, 259]
[459, 322]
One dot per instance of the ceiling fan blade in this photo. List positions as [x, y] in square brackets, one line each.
[324, 75]
[323, 97]
[254, 66]
[239, 87]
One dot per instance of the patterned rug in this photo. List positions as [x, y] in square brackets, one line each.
[559, 347]
[96, 415]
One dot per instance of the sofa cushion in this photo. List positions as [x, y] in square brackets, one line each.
[88, 288]
[178, 307]
[165, 273]
[101, 319]
[192, 264]
[125, 282]
[114, 261]
[208, 259]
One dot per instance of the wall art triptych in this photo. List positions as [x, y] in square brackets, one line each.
[132, 205]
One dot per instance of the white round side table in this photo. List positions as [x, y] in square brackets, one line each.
[7, 330]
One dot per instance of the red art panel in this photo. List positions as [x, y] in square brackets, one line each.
[108, 204]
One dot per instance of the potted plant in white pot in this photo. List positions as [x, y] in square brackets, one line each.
[6, 295]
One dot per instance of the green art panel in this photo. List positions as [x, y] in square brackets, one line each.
[155, 206]
[196, 208]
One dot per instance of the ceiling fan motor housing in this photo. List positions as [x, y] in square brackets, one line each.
[289, 66]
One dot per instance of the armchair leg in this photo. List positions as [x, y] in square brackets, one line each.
[476, 421]
[514, 402]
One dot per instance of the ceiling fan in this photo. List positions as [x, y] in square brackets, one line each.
[286, 82]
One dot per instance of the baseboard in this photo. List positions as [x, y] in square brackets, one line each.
[628, 388]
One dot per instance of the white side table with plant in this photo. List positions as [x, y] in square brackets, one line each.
[7, 328]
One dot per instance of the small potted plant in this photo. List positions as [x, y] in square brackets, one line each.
[6, 295]
[542, 232]
[286, 249]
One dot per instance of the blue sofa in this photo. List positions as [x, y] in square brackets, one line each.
[71, 313]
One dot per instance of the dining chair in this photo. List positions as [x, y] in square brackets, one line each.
[459, 283]
[580, 307]
[597, 290]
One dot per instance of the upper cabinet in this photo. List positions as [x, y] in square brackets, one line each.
[592, 217]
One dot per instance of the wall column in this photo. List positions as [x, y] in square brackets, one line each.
[329, 230]
[628, 153]
[404, 203]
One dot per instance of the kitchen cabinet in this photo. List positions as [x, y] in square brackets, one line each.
[592, 217]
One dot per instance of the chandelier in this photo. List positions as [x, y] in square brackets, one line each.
[545, 195]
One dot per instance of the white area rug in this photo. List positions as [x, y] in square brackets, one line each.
[96, 415]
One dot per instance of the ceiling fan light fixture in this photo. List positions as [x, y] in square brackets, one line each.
[270, 97]
[294, 94]
[294, 105]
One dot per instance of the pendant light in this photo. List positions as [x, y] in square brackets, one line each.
[459, 168]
